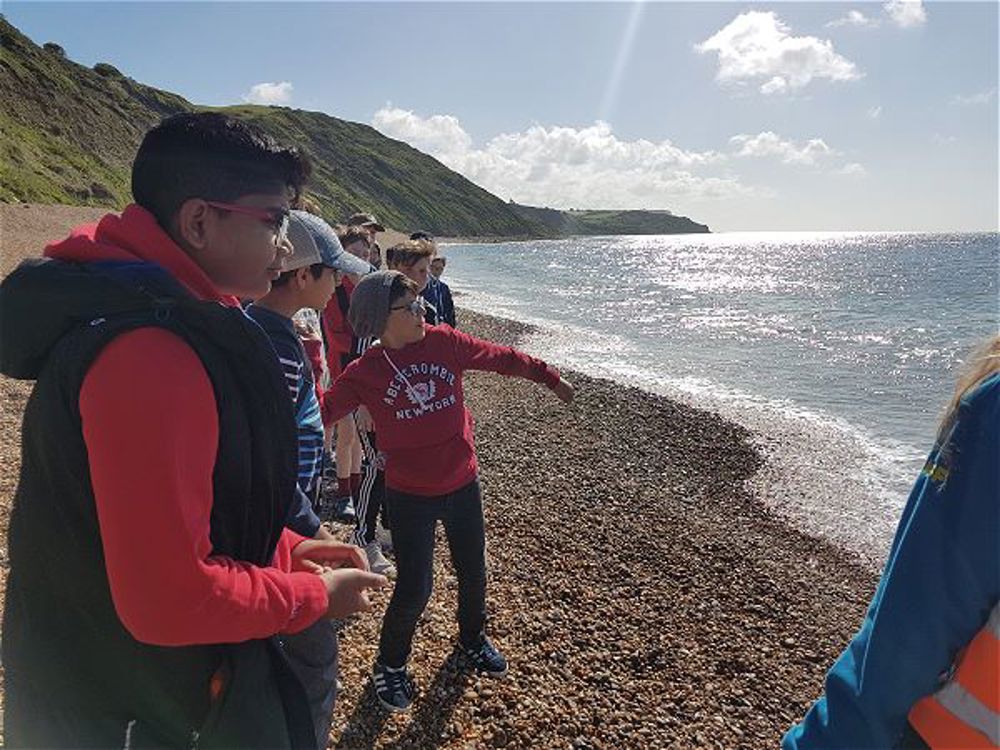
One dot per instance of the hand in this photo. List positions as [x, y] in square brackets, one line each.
[323, 534]
[347, 591]
[305, 331]
[363, 418]
[564, 390]
[313, 555]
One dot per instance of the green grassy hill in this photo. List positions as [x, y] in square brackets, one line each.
[580, 222]
[68, 134]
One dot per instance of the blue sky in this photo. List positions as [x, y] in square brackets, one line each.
[763, 116]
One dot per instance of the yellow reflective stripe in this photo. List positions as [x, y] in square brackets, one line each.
[936, 472]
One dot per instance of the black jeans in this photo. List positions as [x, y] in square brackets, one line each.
[413, 519]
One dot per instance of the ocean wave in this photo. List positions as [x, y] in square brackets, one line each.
[822, 473]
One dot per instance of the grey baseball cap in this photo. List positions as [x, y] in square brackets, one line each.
[314, 241]
[369, 309]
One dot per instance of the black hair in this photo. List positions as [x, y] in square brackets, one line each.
[401, 285]
[212, 156]
[316, 269]
[422, 236]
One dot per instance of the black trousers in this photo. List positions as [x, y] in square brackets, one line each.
[413, 520]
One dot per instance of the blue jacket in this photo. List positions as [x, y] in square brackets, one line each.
[438, 294]
[941, 580]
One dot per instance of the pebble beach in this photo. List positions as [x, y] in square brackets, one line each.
[640, 588]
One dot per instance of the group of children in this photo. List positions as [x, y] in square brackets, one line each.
[404, 444]
[171, 582]
[359, 495]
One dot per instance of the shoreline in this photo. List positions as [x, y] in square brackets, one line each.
[644, 595]
[804, 452]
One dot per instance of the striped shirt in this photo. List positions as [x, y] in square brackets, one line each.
[302, 389]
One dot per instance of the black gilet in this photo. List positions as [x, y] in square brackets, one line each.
[65, 652]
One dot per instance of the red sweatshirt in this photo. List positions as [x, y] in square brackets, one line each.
[151, 428]
[339, 334]
[415, 397]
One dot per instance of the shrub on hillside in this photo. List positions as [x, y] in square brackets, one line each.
[106, 70]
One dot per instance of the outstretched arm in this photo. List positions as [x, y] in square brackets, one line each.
[478, 354]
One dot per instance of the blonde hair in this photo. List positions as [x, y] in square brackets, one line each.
[983, 363]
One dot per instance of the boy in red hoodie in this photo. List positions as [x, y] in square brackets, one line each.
[411, 382]
[150, 566]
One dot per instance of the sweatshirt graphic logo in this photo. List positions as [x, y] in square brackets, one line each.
[425, 386]
[421, 393]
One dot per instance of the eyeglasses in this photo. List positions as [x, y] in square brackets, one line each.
[277, 218]
[417, 307]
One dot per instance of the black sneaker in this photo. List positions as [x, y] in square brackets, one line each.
[394, 688]
[483, 656]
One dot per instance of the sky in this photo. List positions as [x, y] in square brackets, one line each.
[744, 116]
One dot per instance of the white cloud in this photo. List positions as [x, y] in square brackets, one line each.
[567, 167]
[768, 143]
[854, 18]
[983, 97]
[852, 170]
[875, 112]
[906, 13]
[776, 85]
[438, 134]
[758, 46]
[269, 93]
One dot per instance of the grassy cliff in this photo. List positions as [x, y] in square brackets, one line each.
[68, 134]
[581, 222]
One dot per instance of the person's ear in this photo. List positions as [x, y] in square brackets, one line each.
[302, 277]
[193, 224]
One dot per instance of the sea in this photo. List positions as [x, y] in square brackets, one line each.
[838, 351]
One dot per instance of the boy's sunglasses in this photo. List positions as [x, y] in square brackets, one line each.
[417, 307]
[276, 218]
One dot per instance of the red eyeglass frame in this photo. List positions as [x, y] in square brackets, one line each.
[277, 218]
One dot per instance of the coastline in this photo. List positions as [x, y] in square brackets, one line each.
[644, 595]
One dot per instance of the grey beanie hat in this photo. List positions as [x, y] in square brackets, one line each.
[369, 309]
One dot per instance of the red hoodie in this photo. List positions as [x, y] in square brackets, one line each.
[153, 485]
[339, 334]
[416, 399]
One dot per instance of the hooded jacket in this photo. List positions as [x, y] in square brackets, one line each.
[147, 528]
[940, 583]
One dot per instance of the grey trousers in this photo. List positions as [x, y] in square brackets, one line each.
[312, 654]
